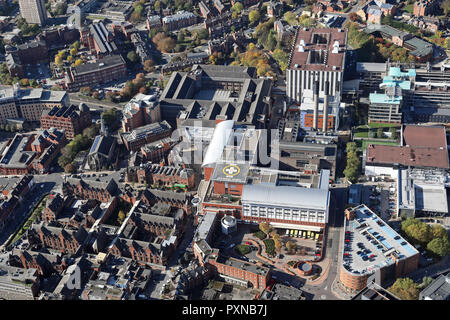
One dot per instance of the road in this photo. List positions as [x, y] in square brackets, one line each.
[23, 210]
[333, 247]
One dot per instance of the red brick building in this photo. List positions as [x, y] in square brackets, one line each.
[100, 191]
[73, 120]
[104, 70]
[240, 272]
[139, 251]
[180, 200]
[63, 240]
[141, 136]
[161, 175]
[53, 207]
[425, 7]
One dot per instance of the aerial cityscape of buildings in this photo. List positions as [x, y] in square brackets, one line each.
[224, 150]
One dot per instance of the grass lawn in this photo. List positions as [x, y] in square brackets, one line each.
[242, 249]
[409, 8]
[362, 134]
[365, 143]
[95, 18]
[384, 125]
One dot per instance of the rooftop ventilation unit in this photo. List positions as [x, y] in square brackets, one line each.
[301, 48]
[335, 47]
[302, 42]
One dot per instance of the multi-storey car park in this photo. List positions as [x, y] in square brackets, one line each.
[372, 249]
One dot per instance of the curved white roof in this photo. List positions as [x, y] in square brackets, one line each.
[220, 137]
[286, 196]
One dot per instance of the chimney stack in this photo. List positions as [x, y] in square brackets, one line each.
[325, 107]
[316, 104]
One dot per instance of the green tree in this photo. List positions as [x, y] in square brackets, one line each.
[393, 132]
[237, 7]
[91, 132]
[306, 21]
[202, 34]
[408, 222]
[60, 8]
[180, 37]
[110, 118]
[282, 58]
[445, 5]
[438, 231]
[439, 247]
[405, 289]
[254, 16]
[351, 170]
[78, 62]
[271, 41]
[132, 56]
[426, 282]
[419, 233]
[380, 133]
[291, 18]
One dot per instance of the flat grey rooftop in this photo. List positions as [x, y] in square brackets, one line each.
[15, 156]
[431, 198]
[286, 196]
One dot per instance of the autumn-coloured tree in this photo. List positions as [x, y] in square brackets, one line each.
[265, 227]
[121, 217]
[70, 168]
[143, 90]
[86, 91]
[148, 65]
[164, 43]
[353, 16]
[58, 60]
[291, 246]
[278, 244]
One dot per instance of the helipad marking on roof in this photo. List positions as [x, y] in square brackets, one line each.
[231, 170]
